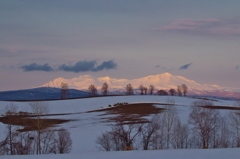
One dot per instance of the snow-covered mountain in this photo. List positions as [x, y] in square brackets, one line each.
[160, 81]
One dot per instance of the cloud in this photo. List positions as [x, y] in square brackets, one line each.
[86, 66]
[106, 65]
[81, 66]
[164, 68]
[37, 67]
[184, 67]
[237, 67]
[220, 26]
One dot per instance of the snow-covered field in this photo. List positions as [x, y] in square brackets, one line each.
[157, 154]
[86, 127]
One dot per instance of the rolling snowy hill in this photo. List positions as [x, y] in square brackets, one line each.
[41, 93]
[85, 127]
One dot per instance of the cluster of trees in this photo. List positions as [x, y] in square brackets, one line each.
[40, 141]
[92, 89]
[181, 90]
[206, 128]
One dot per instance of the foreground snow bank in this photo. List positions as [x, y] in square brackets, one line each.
[165, 154]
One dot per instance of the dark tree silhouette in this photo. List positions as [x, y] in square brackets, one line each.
[148, 130]
[204, 121]
[141, 88]
[64, 142]
[92, 90]
[179, 90]
[172, 92]
[39, 109]
[129, 89]
[162, 92]
[104, 89]
[151, 89]
[64, 90]
[184, 89]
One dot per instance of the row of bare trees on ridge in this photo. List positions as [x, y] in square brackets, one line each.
[180, 91]
[92, 90]
[205, 128]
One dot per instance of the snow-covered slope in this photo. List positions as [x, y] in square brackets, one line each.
[86, 127]
[165, 154]
[160, 81]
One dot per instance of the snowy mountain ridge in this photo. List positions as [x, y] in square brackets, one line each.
[164, 81]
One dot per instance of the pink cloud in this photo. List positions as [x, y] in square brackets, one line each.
[227, 26]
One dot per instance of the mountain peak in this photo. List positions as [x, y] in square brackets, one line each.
[160, 81]
[166, 74]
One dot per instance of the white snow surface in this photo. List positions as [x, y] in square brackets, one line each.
[157, 154]
[86, 127]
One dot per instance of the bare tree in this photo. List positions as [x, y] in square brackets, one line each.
[172, 92]
[180, 136]
[92, 90]
[143, 90]
[16, 142]
[118, 144]
[64, 90]
[104, 89]
[64, 141]
[127, 133]
[158, 138]
[234, 122]
[21, 145]
[204, 121]
[141, 87]
[9, 111]
[44, 141]
[105, 141]
[129, 89]
[194, 140]
[169, 119]
[184, 89]
[148, 130]
[121, 137]
[55, 141]
[223, 134]
[151, 89]
[179, 90]
[48, 141]
[39, 109]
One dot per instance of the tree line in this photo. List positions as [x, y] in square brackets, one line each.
[129, 90]
[205, 128]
